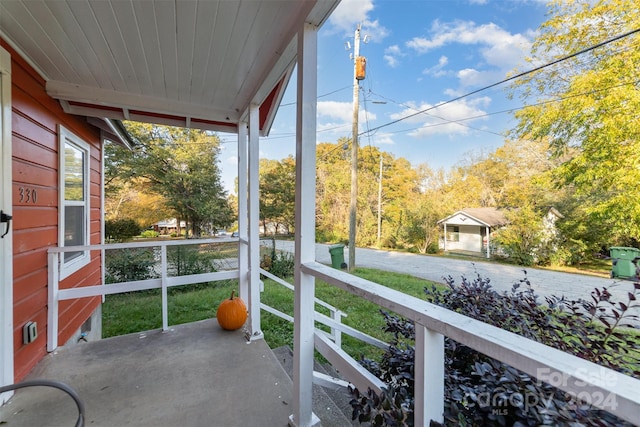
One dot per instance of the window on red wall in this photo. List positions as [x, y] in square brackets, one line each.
[74, 210]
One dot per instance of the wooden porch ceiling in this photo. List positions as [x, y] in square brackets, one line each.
[192, 63]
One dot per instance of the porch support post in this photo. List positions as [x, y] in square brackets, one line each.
[487, 230]
[253, 298]
[243, 221]
[305, 238]
[163, 278]
[53, 299]
[444, 238]
[429, 376]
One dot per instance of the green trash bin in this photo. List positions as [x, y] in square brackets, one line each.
[623, 261]
[337, 255]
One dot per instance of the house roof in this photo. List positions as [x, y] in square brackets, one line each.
[489, 217]
[113, 130]
[190, 63]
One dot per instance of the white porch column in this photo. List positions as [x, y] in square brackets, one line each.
[243, 220]
[304, 293]
[487, 230]
[444, 239]
[253, 298]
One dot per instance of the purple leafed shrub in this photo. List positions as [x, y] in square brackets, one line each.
[481, 391]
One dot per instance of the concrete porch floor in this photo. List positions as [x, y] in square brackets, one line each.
[192, 375]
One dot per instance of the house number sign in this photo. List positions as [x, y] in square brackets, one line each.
[27, 195]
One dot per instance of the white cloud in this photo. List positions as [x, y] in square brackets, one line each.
[335, 110]
[233, 160]
[393, 50]
[469, 76]
[498, 49]
[350, 13]
[338, 116]
[438, 69]
[391, 61]
[391, 55]
[451, 93]
[449, 119]
[382, 139]
[373, 31]
[472, 77]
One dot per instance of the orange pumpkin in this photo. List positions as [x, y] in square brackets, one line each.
[232, 313]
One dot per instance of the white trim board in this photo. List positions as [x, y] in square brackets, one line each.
[6, 243]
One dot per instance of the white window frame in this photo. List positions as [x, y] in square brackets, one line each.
[453, 235]
[67, 137]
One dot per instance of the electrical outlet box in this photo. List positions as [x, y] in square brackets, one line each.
[29, 332]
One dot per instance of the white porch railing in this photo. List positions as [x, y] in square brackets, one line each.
[581, 378]
[164, 282]
[604, 388]
[333, 321]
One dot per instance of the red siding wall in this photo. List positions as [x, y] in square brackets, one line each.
[35, 120]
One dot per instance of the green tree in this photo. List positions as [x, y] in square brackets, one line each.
[440, 195]
[586, 109]
[121, 229]
[512, 175]
[277, 192]
[522, 237]
[399, 182]
[179, 164]
[400, 185]
[333, 183]
[132, 199]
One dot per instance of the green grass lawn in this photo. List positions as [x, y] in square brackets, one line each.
[593, 267]
[140, 311]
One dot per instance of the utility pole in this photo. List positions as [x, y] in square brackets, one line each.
[380, 202]
[358, 74]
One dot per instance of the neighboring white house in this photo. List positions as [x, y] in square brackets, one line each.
[549, 223]
[168, 226]
[470, 229]
[271, 228]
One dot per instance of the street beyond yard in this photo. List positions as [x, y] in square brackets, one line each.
[503, 277]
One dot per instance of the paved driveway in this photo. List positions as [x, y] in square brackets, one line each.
[544, 282]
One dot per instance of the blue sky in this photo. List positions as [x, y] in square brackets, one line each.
[419, 54]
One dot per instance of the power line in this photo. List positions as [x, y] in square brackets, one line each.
[337, 147]
[516, 76]
[424, 111]
[366, 117]
[448, 121]
[458, 121]
[511, 110]
[319, 96]
[593, 59]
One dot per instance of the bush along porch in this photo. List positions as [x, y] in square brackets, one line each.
[480, 391]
